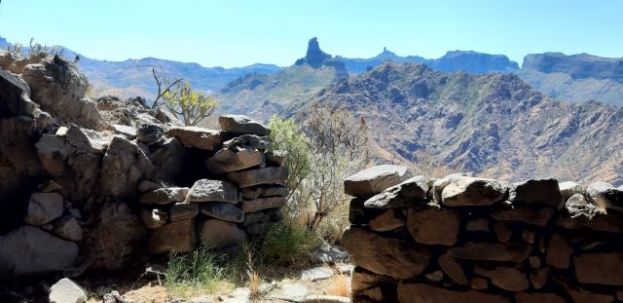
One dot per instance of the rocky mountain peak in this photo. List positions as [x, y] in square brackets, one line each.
[316, 58]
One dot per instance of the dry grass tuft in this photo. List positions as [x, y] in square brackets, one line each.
[340, 286]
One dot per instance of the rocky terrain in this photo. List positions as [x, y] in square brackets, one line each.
[575, 78]
[492, 124]
[108, 184]
[469, 239]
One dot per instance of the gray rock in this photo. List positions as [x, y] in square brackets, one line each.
[578, 206]
[183, 211]
[239, 124]
[277, 157]
[432, 226]
[471, 191]
[543, 191]
[44, 208]
[205, 190]
[67, 227]
[384, 255]
[247, 141]
[197, 137]
[316, 274]
[123, 166]
[125, 130]
[29, 251]
[226, 160]
[154, 218]
[67, 291]
[374, 180]
[388, 220]
[249, 206]
[605, 196]
[60, 89]
[267, 175]
[327, 253]
[149, 134]
[570, 188]
[166, 195]
[173, 237]
[220, 234]
[223, 211]
[408, 192]
[251, 193]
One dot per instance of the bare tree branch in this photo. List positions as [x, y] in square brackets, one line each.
[160, 83]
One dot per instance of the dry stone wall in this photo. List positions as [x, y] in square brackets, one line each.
[93, 184]
[470, 239]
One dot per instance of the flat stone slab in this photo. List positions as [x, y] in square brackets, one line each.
[223, 211]
[240, 124]
[197, 137]
[206, 190]
[267, 175]
[407, 192]
[316, 274]
[374, 180]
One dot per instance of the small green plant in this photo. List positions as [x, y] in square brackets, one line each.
[191, 105]
[287, 244]
[285, 135]
[201, 271]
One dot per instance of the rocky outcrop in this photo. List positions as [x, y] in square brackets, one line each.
[471, 239]
[316, 58]
[95, 184]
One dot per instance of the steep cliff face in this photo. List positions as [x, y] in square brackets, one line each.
[494, 124]
[575, 78]
[316, 58]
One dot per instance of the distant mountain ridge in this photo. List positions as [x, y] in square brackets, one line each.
[491, 124]
[575, 78]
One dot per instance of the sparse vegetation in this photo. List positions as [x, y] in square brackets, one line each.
[201, 271]
[190, 105]
[287, 244]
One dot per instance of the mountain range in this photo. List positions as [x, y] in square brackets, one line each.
[573, 78]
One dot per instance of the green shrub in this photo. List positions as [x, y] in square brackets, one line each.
[286, 135]
[201, 271]
[287, 244]
[191, 105]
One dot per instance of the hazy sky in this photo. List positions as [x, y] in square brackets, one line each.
[236, 32]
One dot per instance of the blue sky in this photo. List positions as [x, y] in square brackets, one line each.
[238, 32]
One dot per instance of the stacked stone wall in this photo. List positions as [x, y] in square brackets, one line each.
[469, 239]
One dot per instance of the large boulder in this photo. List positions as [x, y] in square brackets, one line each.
[197, 137]
[72, 157]
[239, 125]
[43, 208]
[67, 291]
[205, 190]
[123, 166]
[29, 251]
[471, 191]
[60, 89]
[408, 192]
[220, 234]
[374, 180]
[543, 191]
[226, 160]
[67, 227]
[538, 217]
[432, 226]
[14, 96]
[173, 237]
[384, 255]
[267, 175]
